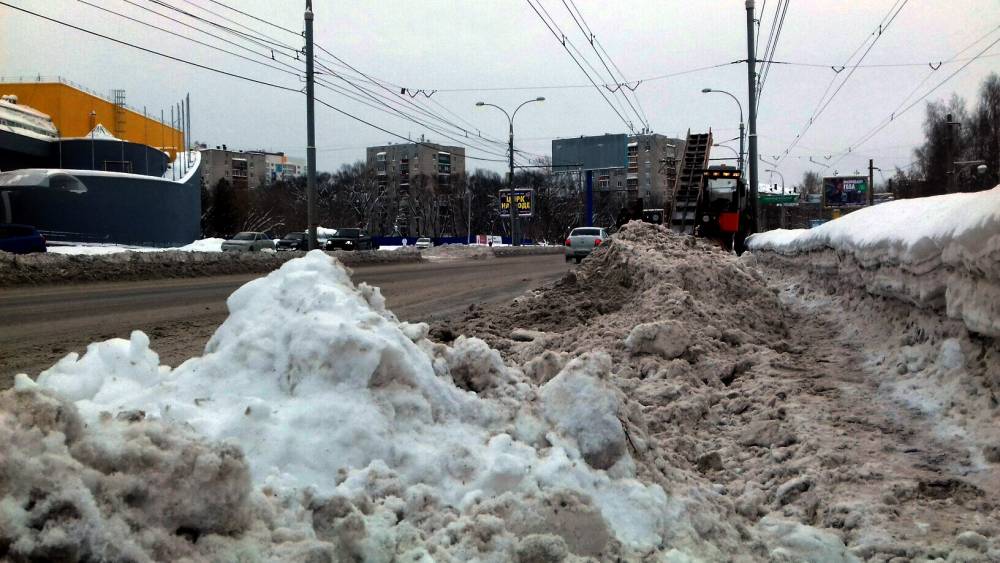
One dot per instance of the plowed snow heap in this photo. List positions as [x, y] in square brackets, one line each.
[317, 424]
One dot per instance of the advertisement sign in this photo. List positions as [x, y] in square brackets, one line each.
[524, 199]
[840, 191]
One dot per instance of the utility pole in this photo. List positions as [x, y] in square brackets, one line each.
[310, 132]
[514, 239]
[871, 182]
[752, 99]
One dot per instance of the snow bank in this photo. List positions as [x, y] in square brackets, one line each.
[211, 244]
[941, 251]
[328, 395]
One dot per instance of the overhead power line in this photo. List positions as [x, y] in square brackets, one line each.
[151, 51]
[196, 41]
[219, 71]
[870, 41]
[393, 133]
[591, 38]
[562, 39]
[587, 85]
[253, 17]
[772, 46]
[218, 37]
[253, 37]
[898, 112]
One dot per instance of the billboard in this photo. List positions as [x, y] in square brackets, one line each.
[524, 199]
[840, 191]
[590, 153]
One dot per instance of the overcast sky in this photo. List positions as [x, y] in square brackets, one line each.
[446, 45]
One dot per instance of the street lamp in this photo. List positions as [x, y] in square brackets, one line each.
[782, 204]
[739, 105]
[738, 155]
[515, 239]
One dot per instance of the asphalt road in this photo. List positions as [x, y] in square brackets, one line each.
[38, 326]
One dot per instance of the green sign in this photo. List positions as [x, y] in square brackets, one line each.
[776, 199]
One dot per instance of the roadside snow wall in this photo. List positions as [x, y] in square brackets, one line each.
[940, 252]
[918, 282]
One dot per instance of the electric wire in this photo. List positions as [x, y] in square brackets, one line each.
[380, 99]
[824, 100]
[193, 40]
[253, 17]
[773, 47]
[379, 104]
[278, 46]
[222, 72]
[591, 38]
[148, 50]
[893, 116]
[562, 39]
[210, 34]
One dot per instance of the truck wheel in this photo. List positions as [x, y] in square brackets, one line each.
[578, 259]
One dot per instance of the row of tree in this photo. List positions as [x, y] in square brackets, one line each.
[353, 197]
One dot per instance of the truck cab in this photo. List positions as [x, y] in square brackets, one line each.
[720, 203]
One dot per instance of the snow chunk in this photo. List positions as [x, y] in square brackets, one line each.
[581, 406]
[668, 339]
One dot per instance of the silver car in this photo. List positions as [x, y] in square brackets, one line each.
[424, 242]
[248, 242]
[582, 241]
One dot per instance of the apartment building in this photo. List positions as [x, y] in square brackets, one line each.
[247, 169]
[418, 178]
[635, 167]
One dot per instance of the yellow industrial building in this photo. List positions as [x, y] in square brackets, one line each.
[75, 112]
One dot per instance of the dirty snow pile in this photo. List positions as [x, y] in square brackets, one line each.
[758, 406]
[941, 251]
[316, 422]
[933, 345]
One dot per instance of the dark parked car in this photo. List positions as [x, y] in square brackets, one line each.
[351, 239]
[293, 241]
[21, 239]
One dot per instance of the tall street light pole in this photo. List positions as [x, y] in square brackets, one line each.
[782, 204]
[515, 237]
[310, 133]
[752, 101]
[739, 105]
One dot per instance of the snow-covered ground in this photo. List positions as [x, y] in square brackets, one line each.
[201, 245]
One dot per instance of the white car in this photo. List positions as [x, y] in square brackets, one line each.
[582, 241]
[424, 242]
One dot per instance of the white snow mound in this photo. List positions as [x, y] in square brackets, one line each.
[325, 390]
[941, 251]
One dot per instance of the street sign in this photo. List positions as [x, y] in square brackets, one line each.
[776, 199]
[524, 198]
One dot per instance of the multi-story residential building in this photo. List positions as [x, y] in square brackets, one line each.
[241, 169]
[417, 179]
[283, 167]
[248, 169]
[636, 167]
